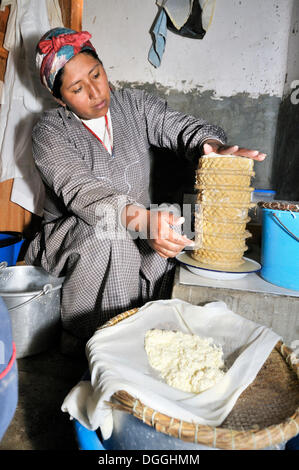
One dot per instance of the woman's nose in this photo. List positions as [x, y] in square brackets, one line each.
[93, 91]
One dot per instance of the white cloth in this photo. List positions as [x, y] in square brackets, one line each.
[23, 99]
[117, 361]
[98, 126]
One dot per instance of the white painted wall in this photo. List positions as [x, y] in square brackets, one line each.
[244, 50]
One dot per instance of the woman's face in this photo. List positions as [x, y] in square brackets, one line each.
[85, 88]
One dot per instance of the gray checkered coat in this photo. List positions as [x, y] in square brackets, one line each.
[86, 189]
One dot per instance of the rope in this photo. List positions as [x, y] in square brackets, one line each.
[269, 437]
[153, 418]
[143, 414]
[180, 429]
[254, 440]
[233, 439]
[282, 433]
[215, 437]
[135, 404]
[296, 424]
[170, 425]
[292, 359]
[196, 431]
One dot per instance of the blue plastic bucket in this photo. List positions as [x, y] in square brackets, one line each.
[10, 246]
[280, 248]
[87, 440]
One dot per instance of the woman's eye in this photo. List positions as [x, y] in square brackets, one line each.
[77, 90]
[96, 75]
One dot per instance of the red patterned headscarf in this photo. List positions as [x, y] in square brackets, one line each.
[56, 48]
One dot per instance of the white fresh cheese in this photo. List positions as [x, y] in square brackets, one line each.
[186, 362]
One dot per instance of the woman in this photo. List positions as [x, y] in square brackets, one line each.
[93, 155]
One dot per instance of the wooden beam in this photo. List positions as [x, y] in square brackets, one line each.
[4, 14]
[72, 11]
[12, 216]
[3, 52]
[76, 14]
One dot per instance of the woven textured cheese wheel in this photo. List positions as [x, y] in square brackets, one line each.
[223, 199]
[219, 259]
[206, 179]
[233, 163]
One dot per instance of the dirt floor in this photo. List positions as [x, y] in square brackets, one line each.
[39, 424]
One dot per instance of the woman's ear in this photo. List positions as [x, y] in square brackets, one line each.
[59, 101]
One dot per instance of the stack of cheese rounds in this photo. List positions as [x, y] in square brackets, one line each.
[223, 200]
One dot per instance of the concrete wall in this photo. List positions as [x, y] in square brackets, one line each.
[234, 77]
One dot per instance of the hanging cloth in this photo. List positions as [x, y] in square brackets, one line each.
[23, 100]
[188, 18]
[159, 40]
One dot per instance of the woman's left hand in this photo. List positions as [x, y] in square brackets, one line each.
[210, 146]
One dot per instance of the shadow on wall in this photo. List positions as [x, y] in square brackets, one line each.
[248, 122]
[285, 170]
[171, 177]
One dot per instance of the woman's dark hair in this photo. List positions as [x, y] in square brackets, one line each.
[58, 79]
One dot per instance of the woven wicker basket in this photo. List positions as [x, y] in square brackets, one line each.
[266, 413]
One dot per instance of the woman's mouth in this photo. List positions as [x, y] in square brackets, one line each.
[100, 105]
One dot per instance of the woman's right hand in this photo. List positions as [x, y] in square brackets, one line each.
[155, 226]
[163, 238]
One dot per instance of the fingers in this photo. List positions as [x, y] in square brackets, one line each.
[208, 148]
[233, 150]
[168, 234]
[254, 154]
[178, 239]
[166, 253]
[170, 248]
[173, 246]
[220, 149]
[172, 219]
[176, 246]
[164, 239]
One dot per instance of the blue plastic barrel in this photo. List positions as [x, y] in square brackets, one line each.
[10, 246]
[87, 440]
[280, 248]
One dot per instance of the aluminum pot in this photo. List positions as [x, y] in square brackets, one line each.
[32, 297]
